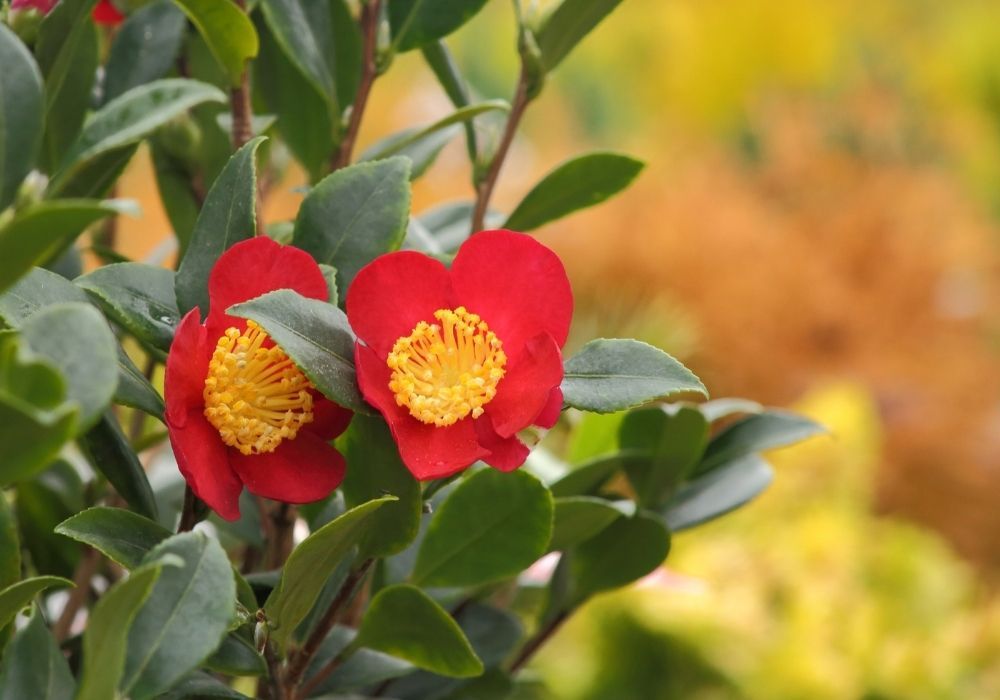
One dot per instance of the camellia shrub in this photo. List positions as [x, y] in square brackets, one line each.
[356, 402]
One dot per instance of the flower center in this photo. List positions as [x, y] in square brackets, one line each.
[254, 395]
[444, 371]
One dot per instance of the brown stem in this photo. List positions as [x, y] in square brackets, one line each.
[321, 675]
[485, 188]
[369, 71]
[533, 645]
[191, 513]
[242, 113]
[280, 535]
[301, 660]
[85, 570]
[269, 688]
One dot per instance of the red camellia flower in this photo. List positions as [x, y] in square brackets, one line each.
[459, 360]
[238, 410]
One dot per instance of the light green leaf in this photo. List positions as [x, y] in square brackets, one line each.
[15, 597]
[613, 375]
[392, 147]
[624, 551]
[568, 24]
[442, 63]
[145, 47]
[416, 23]
[757, 433]
[576, 184]
[717, 409]
[717, 492]
[139, 297]
[21, 115]
[121, 535]
[227, 30]
[34, 667]
[110, 454]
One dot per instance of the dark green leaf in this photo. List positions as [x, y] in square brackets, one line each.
[576, 184]
[316, 336]
[303, 31]
[201, 685]
[578, 518]
[36, 290]
[34, 668]
[492, 526]
[236, 657]
[404, 622]
[624, 551]
[121, 535]
[139, 297]
[756, 433]
[416, 23]
[21, 114]
[673, 445]
[227, 217]
[369, 442]
[134, 390]
[311, 564]
[227, 31]
[354, 215]
[41, 504]
[568, 24]
[95, 177]
[440, 60]
[15, 597]
[178, 193]
[198, 596]
[145, 47]
[347, 49]
[10, 548]
[721, 490]
[613, 375]
[421, 153]
[362, 669]
[392, 146]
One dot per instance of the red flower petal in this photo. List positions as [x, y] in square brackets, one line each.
[429, 452]
[506, 453]
[391, 294]
[300, 470]
[203, 460]
[553, 407]
[516, 284]
[524, 390]
[329, 419]
[187, 365]
[254, 267]
[106, 13]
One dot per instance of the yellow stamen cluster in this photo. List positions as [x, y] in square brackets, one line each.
[255, 396]
[442, 372]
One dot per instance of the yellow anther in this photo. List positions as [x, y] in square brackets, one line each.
[254, 395]
[445, 371]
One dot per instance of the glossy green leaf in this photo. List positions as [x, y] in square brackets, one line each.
[304, 33]
[41, 503]
[369, 442]
[134, 390]
[145, 47]
[578, 518]
[717, 492]
[403, 621]
[201, 685]
[33, 666]
[311, 564]
[613, 375]
[442, 63]
[200, 595]
[76, 339]
[110, 454]
[21, 114]
[459, 116]
[40, 231]
[570, 22]
[139, 297]
[104, 641]
[416, 23]
[347, 52]
[236, 657]
[492, 526]
[673, 444]
[227, 217]
[121, 535]
[421, 153]
[95, 178]
[316, 336]
[757, 433]
[227, 31]
[15, 597]
[354, 215]
[576, 184]
[623, 552]
[362, 669]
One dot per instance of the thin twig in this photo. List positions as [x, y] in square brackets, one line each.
[242, 113]
[369, 71]
[190, 515]
[321, 675]
[484, 191]
[536, 642]
[269, 530]
[85, 570]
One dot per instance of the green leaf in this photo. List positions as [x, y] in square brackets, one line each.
[717, 492]
[757, 433]
[107, 631]
[94, 178]
[236, 657]
[76, 339]
[392, 146]
[40, 231]
[34, 667]
[369, 442]
[723, 408]
[145, 47]
[67, 52]
[416, 23]
[403, 621]
[421, 153]
[227, 217]
[303, 32]
[134, 390]
[15, 597]
[568, 24]
[139, 297]
[185, 617]
[624, 551]
[10, 548]
[230, 35]
[354, 215]
[315, 335]
[110, 454]
[673, 445]
[576, 184]
[134, 115]
[578, 518]
[347, 52]
[201, 685]
[492, 526]
[443, 65]
[121, 535]
[41, 503]
[613, 375]
[311, 564]
[21, 114]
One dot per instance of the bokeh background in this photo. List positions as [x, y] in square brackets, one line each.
[818, 226]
